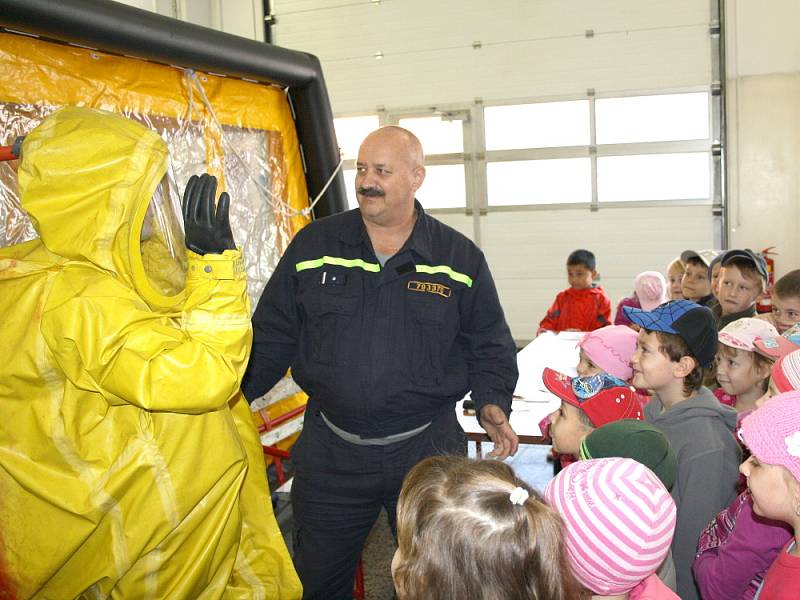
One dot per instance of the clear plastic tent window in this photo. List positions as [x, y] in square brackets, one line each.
[240, 131]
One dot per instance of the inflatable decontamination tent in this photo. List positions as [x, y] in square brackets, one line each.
[129, 463]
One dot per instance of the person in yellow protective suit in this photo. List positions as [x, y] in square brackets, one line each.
[129, 464]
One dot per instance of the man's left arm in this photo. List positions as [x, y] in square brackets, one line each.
[492, 360]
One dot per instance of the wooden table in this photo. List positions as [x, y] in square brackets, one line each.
[532, 401]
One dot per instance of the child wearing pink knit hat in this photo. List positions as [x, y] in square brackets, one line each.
[619, 520]
[738, 546]
[773, 476]
[649, 290]
[607, 349]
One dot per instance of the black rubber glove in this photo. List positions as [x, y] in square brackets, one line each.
[207, 231]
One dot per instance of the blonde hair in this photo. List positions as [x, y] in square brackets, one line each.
[676, 265]
[460, 536]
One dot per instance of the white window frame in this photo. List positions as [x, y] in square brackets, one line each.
[594, 150]
[475, 156]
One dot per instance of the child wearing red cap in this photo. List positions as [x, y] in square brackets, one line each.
[587, 403]
[773, 476]
[605, 350]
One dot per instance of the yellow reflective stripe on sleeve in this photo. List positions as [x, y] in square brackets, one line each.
[352, 263]
[454, 275]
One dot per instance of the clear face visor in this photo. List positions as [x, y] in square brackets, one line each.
[162, 244]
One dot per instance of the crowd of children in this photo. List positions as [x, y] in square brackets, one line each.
[673, 490]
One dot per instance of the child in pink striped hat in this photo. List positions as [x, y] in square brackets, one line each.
[773, 476]
[619, 521]
[786, 373]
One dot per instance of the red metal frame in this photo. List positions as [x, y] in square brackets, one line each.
[270, 423]
[277, 455]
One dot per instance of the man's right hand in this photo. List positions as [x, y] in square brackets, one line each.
[494, 421]
[207, 231]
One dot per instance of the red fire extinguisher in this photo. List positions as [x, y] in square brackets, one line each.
[764, 304]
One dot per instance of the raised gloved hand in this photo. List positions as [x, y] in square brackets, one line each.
[207, 231]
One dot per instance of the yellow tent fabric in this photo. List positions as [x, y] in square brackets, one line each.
[58, 74]
[129, 465]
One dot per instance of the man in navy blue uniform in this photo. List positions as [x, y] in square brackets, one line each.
[387, 318]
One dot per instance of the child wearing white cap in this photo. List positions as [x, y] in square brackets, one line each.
[696, 282]
[619, 521]
[742, 372]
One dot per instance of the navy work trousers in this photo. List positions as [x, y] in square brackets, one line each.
[339, 489]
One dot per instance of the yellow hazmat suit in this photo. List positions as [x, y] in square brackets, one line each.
[129, 464]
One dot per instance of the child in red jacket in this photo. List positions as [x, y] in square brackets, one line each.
[583, 306]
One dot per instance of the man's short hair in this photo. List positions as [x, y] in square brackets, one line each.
[748, 271]
[788, 286]
[674, 347]
[582, 257]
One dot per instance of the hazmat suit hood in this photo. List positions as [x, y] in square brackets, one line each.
[86, 179]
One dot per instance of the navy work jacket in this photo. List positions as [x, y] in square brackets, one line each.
[382, 350]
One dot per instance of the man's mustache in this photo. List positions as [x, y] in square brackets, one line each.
[370, 192]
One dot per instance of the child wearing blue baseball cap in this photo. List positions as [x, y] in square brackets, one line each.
[676, 342]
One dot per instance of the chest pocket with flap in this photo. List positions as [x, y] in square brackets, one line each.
[331, 326]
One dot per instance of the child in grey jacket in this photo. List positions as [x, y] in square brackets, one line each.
[676, 342]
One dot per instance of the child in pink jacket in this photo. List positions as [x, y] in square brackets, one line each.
[738, 546]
